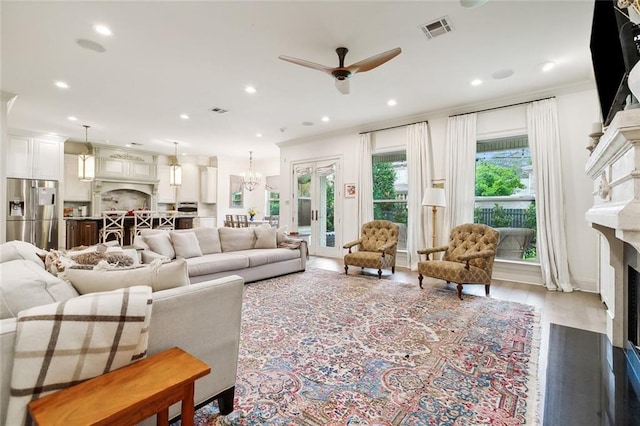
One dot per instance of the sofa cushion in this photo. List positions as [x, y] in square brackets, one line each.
[214, 263]
[24, 286]
[160, 243]
[185, 244]
[162, 277]
[208, 239]
[258, 257]
[13, 250]
[236, 239]
[265, 237]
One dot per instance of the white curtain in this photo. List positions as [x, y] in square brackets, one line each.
[365, 181]
[461, 171]
[419, 170]
[544, 141]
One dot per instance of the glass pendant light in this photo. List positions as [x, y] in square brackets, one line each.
[86, 160]
[175, 170]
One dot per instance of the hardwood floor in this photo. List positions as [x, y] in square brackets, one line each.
[578, 310]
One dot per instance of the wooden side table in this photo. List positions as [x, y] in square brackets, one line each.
[127, 395]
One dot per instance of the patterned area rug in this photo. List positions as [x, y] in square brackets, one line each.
[324, 348]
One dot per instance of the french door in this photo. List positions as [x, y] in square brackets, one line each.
[316, 215]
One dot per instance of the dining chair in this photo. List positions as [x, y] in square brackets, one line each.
[242, 221]
[166, 220]
[229, 221]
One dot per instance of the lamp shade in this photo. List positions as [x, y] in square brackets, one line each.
[434, 197]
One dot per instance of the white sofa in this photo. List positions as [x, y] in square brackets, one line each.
[203, 319]
[253, 253]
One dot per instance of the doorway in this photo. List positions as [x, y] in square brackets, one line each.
[316, 205]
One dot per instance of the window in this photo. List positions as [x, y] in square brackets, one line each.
[390, 188]
[273, 196]
[505, 195]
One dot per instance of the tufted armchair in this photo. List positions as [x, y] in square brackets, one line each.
[468, 259]
[376, 247]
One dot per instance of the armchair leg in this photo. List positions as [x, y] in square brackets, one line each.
[420, 280]
[346, 269]
[393, 269]
[460, 291]
[379, 274]
[486, 289]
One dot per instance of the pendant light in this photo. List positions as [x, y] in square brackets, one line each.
[250, 179]
[175, 170]
[86, 160]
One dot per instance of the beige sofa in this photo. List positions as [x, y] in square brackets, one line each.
[253, 253]
[203, 319]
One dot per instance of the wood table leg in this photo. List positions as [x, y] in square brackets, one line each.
[162, 417]
[187, 406]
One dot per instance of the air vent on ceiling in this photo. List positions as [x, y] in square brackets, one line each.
[219, 110]
[436, 28]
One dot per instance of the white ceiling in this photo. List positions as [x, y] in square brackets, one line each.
[170, 58]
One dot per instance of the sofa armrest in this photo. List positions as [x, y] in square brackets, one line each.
[476, 255]
[204, 320]
[7, 340]
[385, 247]
[428, 251]
[352, 243]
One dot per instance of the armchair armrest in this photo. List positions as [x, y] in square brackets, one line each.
[352, 243]
[387, 246]
[428, 251]
[476, 255]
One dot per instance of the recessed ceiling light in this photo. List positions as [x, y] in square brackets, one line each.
[505, 73]
[250, 89]
[62, 85]
[102, 29]
[184, 153]
[325, 119]
[128, 145]
[258, 135]
[184, 116]
[476, 82]
[72, 118]
[548, 66]
[392, 102]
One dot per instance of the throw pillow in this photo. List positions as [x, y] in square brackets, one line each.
[266, 238]
[161, 244]
[282, 234]
[13, 250]
[185, 244]
[22, 287]
[236, 239]
[208, 239]
[158, 277]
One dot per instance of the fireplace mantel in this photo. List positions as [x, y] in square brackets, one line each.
[614, 166]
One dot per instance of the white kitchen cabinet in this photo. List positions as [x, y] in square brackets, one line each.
[166, 192]
[125, 169]
[34, 157]
[74, 188]
[209, 185]
[189, 191]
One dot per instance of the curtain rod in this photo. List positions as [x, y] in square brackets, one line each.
[393, 127]
[504, 106]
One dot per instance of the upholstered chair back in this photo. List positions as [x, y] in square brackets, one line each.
[378, 233]
[470, 238]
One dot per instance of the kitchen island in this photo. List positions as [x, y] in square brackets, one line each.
[85, 231]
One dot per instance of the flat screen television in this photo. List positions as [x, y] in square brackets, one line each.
[613, 54]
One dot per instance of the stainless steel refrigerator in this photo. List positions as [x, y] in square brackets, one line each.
[32, 214]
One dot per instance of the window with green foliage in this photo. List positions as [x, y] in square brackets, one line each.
[390, 191]
[505, 195]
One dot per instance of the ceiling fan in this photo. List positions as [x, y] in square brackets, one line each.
[342, 73]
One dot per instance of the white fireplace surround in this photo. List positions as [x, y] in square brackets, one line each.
[614, 167]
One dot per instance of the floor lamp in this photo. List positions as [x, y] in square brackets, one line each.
[434, 197]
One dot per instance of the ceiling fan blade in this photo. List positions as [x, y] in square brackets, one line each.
[343, 86]
[307, 64]
[374, 61]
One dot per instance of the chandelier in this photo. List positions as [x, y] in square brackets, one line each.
[250, 179]
[86, 161]
[175, 170]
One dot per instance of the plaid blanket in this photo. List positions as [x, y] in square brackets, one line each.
[61, 344]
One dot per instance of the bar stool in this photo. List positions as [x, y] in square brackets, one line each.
[142, 219]
[113, 224]
[166, 220]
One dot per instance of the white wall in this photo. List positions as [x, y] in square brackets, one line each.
[576, 111]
